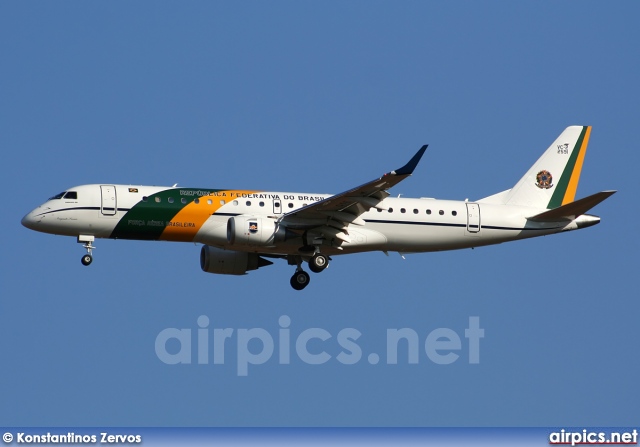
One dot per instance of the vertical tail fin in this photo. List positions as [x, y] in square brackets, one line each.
[553, 180]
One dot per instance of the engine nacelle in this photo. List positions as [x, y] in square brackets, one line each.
[229, 262]
[254, 231]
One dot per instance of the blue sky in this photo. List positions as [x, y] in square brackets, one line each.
[318, 97]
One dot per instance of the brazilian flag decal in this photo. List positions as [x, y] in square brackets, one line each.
[148, 219]
[567, 186]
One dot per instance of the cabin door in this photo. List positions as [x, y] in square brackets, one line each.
[473, 218]
[109, 205]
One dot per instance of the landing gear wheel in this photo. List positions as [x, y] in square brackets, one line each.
[300, 280]
[87, 239]
[318, 263]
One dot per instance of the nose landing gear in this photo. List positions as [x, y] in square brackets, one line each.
[87, 259]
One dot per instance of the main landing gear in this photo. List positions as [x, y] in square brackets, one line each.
[87, 259]
[300, 280]
[317, 263]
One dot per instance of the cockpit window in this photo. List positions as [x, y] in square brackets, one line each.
[57, 196]
[73, 195]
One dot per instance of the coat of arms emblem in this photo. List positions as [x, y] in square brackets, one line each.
[544, 180]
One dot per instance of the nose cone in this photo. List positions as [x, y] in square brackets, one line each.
[30, 220]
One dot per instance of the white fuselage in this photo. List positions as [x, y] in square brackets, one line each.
[200, 215]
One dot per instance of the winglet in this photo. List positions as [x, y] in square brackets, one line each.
[409, 167]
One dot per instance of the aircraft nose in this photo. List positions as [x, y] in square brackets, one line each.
[30, 220]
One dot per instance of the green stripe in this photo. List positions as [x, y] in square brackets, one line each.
[147, 220]
[563, 183]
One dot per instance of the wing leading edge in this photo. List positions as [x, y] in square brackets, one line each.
[334, 214]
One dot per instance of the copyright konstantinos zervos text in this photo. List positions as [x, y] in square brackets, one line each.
[71, 438]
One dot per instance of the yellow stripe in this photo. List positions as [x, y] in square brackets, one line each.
[570, 193]
[190, 219]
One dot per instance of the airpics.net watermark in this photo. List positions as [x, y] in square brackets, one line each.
[257, 346]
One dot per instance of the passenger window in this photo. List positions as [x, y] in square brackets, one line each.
[196, 200]
[209, 202]
[235, 202]
[415, 211]
[222, 202]
[261, 203]
[291, 205]
[428, 211]
[277, 204]
[170, 199]
[158, 199]
[454, 213]
[145, 198]
[72, 195]
[379, 210]
[441, 212]
[183, 200]
[391, 210]
[248, 202]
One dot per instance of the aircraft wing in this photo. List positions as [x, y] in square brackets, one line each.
[334, 214]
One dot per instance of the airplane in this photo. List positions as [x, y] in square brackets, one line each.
[240, 230]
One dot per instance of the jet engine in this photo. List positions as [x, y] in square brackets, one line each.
[254, 231]
[229, 262]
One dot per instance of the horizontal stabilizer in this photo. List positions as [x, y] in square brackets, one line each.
[572, 210]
